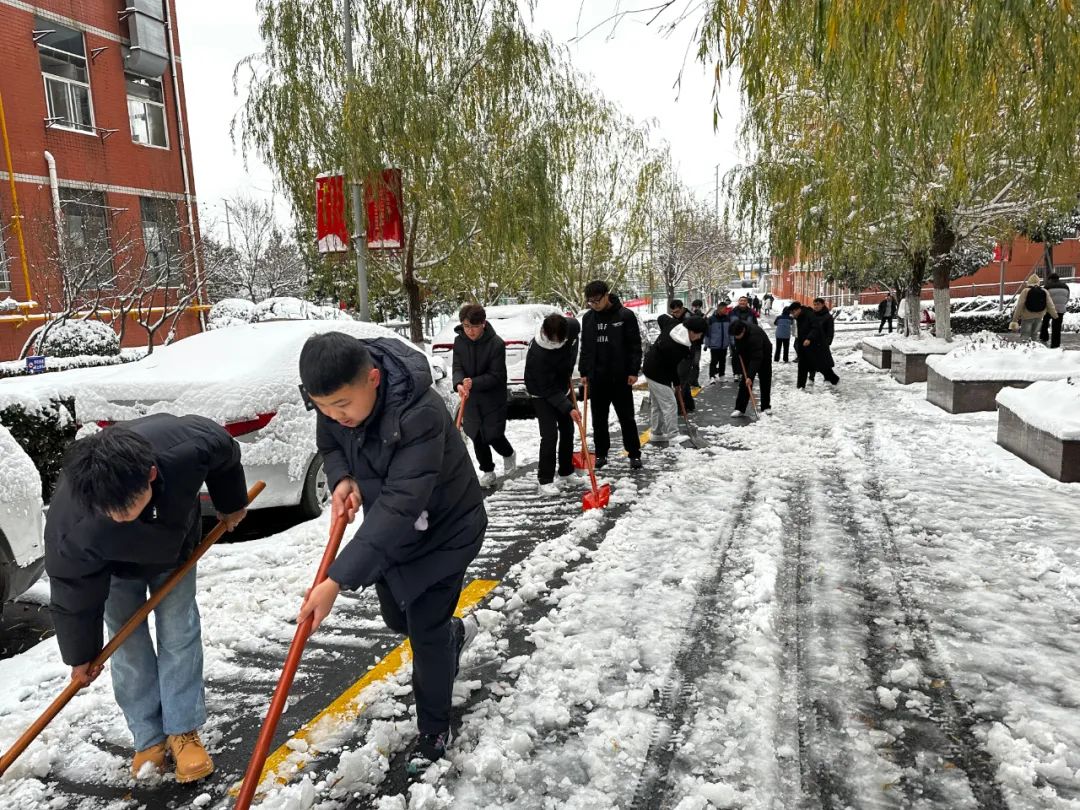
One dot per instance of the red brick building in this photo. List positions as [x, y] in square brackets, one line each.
[93, 96]
[800, 279]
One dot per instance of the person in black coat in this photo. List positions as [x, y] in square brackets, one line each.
[125, 514]
[388, 442]
[480, 372]
[549, 367]
[740, 312]
[689, 373]
[816, 331]
[803, 319]
[755, 350]
[611, 362]
[665, 369]
[887, 310]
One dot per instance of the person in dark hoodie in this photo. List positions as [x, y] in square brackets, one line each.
[124, 516]
[666, 367]
[388, 442]
[549, 367]
[755, 353]
[480, 374]
[611, 362]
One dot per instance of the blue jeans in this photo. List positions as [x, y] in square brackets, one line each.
[160, 693]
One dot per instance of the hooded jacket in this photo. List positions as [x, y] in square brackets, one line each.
[549, 366]
[610, 345]
[1059, 292]
[424, 516]
[484, 362]
[83, 551]
[665, 360]
[1022, 313]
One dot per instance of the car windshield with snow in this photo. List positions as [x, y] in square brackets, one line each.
[246, 379]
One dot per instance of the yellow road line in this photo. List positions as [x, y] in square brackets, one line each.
[347, 707]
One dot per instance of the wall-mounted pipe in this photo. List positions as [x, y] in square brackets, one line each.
[54, 190]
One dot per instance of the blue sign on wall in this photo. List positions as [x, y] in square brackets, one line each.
[35, 364]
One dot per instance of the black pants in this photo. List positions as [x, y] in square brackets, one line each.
[781, 343]
[695, 364]
[1051, 330]
[717, 362]
[556, 430]
[806, 369]
[426, 621]
[764, 392]
[888, 318]
[619, 396]
[482, 447]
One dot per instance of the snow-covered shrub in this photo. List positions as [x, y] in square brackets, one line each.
[296, 309]
[230, 312]
[964, 323]
[75, 338]
[44, 431]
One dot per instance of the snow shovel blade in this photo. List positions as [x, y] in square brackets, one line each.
[581, 461]
[598, 499]
[695, 437]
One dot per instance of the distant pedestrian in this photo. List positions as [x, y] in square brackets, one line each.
[755, 304]
[767, 304]
[803, 318]
[740, 312]
[611, 362]
[755, 353]
[783, 324]
[716, 341]
[480, 375]
[887, 310]
[1032, 305]
[549, 366]
[1059, 293]
[817, 345]
[665, 368]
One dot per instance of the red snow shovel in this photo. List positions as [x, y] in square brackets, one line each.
[580, 462]
[600, 495]
[253, 776]
[461, 410]
[132, 624]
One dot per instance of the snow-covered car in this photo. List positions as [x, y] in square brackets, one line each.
[246, 379]
[22, 546]
[516, 324]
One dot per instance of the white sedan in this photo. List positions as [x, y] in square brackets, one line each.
[246, 379]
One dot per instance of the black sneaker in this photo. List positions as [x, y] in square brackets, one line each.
[430, 748]
[635, 464]
[465, 631]
[601, 462]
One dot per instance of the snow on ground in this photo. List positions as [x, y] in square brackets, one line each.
[995, 359]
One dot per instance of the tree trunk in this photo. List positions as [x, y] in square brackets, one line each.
[416, 314]
[913, 315]
[942, 304]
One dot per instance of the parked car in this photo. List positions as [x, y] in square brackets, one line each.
[516, 324]
[246, 379]
[22, 546]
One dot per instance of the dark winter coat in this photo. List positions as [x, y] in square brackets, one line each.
[83, 551]
[610, 344]
[717, 336]
[887, 308]
[820, 334]
[484, 362]
[745, 315]
[783, 325]
[754, 349]
[549, 367]
[668, 322]
[424, 516]
[665, 362]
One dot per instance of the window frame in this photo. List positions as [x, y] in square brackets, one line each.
[146, 102]
[172, 268]
[46, 78]
[5, 263]
[77, 197]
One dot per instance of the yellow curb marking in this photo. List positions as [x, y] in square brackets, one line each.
[347, 707]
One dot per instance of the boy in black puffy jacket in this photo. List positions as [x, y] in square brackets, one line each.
[549, 366]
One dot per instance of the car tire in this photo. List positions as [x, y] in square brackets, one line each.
[316, 492]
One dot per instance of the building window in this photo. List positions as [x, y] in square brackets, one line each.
[146, 110]
[161, 238]
[5, 264]
[88, 254]
[64, 71]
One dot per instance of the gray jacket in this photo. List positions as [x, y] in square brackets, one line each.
[1059, 294]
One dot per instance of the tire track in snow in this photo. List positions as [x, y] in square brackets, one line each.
[703, 647]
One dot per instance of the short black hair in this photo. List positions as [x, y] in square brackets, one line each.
[473, 314]
[1053, 277]
[819, 300]
[332, 360]
[737, 328]
[595, 288]
[794, 305]
[675, 303]
[108, 471]
[697, 302]
[554, 327]
[696, 324]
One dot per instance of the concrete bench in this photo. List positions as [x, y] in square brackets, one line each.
[966, 396]
[877, 356]
[909, 367]
[1058, 458]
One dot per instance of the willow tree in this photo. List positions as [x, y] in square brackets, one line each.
[938, 122]
[454, 93]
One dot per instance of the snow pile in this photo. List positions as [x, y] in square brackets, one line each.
[928, 345]
[8, 304]
[295, 309]
[1001, 361]
[881, 342]
[230, 312]
[1053, 407]
[20, 483]
[74, 338]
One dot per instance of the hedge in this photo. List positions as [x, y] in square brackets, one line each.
[980, 322]
[45, 433]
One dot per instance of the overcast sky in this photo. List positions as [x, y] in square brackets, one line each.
[634, 66]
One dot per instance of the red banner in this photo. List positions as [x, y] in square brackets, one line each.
[332, 229]
[382, 196]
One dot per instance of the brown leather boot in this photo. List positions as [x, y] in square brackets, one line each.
[192, 761]
[155, 754]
